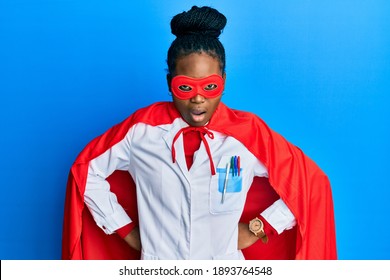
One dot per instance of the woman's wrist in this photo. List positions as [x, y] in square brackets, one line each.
[245, 237]
[133, 239]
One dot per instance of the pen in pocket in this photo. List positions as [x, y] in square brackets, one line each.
[226, 181]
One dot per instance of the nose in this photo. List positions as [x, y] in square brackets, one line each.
[198, 98]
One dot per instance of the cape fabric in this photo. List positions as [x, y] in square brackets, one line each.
[292, 176]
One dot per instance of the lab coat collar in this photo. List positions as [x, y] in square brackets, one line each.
[174, 140]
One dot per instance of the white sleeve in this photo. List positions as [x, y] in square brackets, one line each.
[260, 170]
[279, 216]
[108, 214]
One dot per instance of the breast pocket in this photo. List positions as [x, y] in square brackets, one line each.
[226, 193]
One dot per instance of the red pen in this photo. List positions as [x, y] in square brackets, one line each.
[238, 165]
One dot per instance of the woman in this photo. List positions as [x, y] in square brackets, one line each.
[192, 162]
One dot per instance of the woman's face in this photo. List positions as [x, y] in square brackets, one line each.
[198, 110]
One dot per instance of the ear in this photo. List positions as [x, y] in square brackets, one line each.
[224, 78]
[169, 80]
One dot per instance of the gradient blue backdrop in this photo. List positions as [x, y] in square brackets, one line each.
[318, 72]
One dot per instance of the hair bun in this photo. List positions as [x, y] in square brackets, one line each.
[199, 20]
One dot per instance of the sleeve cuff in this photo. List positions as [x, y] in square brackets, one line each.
[268, 229]
[110, 224]
[279, 216]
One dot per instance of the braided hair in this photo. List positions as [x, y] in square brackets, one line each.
[197, 31]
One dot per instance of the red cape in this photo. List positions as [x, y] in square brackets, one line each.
[292, 176]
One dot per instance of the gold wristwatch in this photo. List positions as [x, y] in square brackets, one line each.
[257, 227]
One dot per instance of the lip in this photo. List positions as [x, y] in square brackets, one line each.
[197, 111]
[198, 115]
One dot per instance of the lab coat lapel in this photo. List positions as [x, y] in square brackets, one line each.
[168, 137]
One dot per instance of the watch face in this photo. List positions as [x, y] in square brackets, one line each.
[256, 225]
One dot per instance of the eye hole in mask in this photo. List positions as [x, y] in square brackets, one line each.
[184, 87]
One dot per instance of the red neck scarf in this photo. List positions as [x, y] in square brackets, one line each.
[192, 137]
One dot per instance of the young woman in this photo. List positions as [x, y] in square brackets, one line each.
[209, 182]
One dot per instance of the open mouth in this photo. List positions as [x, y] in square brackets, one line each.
[198, 115]
[198, 112]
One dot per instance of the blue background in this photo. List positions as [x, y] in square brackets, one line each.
[318, 72]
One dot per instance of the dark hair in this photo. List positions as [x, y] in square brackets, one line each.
[196, 31]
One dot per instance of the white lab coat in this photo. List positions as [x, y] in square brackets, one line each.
[180, 211]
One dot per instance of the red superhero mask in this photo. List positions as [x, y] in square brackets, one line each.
[184, 87]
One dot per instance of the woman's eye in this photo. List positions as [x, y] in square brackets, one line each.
[185, 88]
[210, 87]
